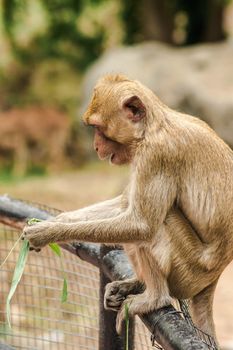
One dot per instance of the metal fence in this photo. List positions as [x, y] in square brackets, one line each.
[39, 319]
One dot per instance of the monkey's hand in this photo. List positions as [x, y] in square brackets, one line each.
[39, 234]
[138, 305]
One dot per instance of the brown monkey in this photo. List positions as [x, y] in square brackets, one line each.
[175, 219]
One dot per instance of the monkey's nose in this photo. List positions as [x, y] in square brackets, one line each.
[96, 149]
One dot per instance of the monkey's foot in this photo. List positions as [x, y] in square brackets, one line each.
[115, 294]
[117, 291]
[139, 305]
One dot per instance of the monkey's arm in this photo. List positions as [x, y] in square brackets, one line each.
[120, 229]
[107, 209]
[139, 222]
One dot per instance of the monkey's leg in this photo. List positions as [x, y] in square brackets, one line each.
[201, 308]
[117, 291]
[187, 243]
[156, 294]
[142, 304]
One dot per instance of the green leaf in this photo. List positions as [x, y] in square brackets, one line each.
[55, 248]
[19, 268]
[33, 221]
[64, 294]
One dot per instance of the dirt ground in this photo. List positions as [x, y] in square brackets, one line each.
[74, 190]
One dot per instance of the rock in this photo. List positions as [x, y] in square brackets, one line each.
[197, 80]
[5, 347]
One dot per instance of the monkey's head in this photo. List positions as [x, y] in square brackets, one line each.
[117, 115]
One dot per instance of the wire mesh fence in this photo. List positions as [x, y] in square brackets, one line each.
[39, 319]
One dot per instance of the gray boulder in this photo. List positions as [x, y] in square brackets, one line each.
[197, 80]
[5, 347]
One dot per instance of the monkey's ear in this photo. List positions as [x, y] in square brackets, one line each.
[135, 108]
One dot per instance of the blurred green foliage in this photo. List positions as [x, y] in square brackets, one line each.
[173, 21]
[51, 42]
[130, 15]
[62, 38]
[47, 45]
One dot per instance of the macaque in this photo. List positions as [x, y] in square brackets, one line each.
[174, 219]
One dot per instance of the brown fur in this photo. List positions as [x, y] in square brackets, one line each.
[175, 218]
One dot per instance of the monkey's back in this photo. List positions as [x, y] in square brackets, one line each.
[205, 195]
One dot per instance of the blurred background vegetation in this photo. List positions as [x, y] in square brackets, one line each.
[46, 46]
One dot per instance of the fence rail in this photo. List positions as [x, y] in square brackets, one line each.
[167, 326]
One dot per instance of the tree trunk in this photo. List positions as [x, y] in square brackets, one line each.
[205, 20]
[214, 27]
[156, 20]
